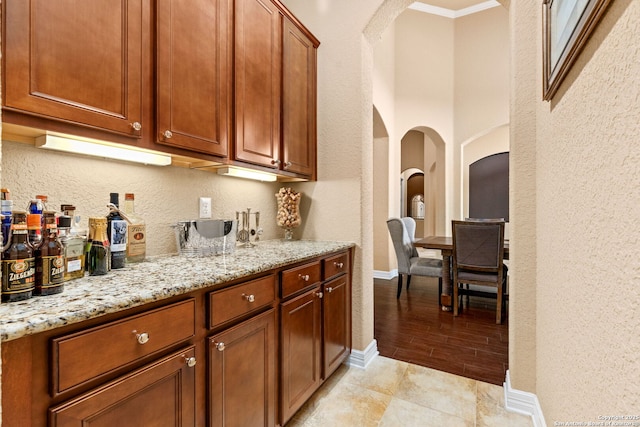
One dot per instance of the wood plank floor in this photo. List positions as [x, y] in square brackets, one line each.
[414, 329]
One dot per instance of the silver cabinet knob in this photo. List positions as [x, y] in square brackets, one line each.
[276, 162]
[329, 289]
[167, 134]
[219, 346]
[142, 338]
[287, 165]
[338, 264]
[136, 126]
[191, 361]
[305, 277]
[249, 298]
[319, 295]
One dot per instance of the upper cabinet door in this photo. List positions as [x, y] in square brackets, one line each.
[299, 101]
[194, 60]
[77, 61]
[258, 58]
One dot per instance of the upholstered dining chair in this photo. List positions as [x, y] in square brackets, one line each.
[402, 231]
[478, 255]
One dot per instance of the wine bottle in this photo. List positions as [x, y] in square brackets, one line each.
[117, 233]
[136, 231]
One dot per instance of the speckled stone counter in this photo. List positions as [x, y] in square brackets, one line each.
[155, 279]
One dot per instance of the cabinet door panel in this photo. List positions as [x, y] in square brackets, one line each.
[299, 101]
[76, 61]
[242, 374]
[337, 323]
[193, 74]
[301, 351]
[258, 81]
[161, 394]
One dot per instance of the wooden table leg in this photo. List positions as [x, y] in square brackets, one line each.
[445, 298]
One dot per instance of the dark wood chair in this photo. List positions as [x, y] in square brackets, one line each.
[409, 263]
[478, 255]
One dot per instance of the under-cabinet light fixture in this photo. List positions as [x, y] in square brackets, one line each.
[246, 173]
[91, 147]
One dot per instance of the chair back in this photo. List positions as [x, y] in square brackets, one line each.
[402, 243]
[478, 245]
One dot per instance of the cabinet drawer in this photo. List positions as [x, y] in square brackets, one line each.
[335, 265]
[86, 355]
[296, 279]
[238, 300]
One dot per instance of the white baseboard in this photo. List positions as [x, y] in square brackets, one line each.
[361, 359]
[386, 275]
[523, 402]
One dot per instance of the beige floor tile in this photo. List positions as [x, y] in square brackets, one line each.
[348, 405]
[401, 413]
[491, 409]
[441, 391]
[382, 375]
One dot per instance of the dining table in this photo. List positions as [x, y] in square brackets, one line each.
[445, 245]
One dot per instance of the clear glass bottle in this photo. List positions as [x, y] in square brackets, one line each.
[49, 259]
[136, 231]
[99, 252]
[18, 263]
[6, 209]
[117, 232]
[74, 247]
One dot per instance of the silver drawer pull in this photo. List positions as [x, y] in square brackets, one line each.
[305, 277]
[319, 295]
[142, 338]
[249, 298]
[329, 289]
[167, 134]
[191, 361]
[219, 346]
[136, 126]
[338, 264]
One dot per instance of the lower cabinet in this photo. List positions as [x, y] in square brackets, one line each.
[159, 394]
[242, 367]
[336, 323]
[301, 346]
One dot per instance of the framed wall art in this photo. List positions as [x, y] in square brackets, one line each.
[567, 24]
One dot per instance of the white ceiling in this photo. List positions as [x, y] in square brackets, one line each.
[453, 8]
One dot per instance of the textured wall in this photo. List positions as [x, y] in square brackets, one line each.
[588, 238]
[164, 195]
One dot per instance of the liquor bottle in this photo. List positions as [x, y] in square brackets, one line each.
[49, 259]
[74, 247]
[136, 231]
[6, 209]
[99, 253]
[18, 264]
[117, 233]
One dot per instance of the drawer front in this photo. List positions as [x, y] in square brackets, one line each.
[238, 300]
[299, 278]
[87, 355]
[335, 265]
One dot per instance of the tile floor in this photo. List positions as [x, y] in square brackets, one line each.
[394, 393]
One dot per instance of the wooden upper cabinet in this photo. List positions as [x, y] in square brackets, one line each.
[76, 61]
[193, 71]
[299, 100]
[258, 82]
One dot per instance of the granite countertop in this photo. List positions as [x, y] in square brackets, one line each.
[152, 280]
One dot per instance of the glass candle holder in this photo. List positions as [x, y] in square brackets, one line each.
[288, 216]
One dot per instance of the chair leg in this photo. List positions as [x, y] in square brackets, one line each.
[399, 285]
[499, 305]
[455, 299]
[408, 281]
[440, 291]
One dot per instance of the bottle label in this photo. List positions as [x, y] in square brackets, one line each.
[137, 240]
[18, 275]
[52, 270]
[118, 235]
